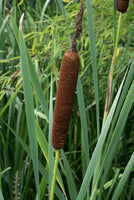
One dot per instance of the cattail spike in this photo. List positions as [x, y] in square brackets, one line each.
[64, 98]
[122, 5]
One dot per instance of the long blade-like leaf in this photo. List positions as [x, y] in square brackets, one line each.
[1, 195]
[83, 119]
[64, 14]
[93, 56]
[44, 147]
[29, 108]
[33, 74]
[70, 181]
[60, 195]
[98, 149]
[124, 178]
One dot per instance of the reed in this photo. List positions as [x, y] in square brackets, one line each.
[65, 94]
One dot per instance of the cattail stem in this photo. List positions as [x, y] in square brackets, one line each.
[54, 174]
[117, 37]
[112, 71]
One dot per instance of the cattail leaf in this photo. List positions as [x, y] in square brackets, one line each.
[124, 178]
[120, 124]
[44, 148]
[29, 108]
[98, 149]
[1, 9]
[127, 45]
[10, 100]
[60, 195]
[1, 195]
[50, 147]
[116, 175]
[44, 9]
[33, 74]
[43, 188]
[94, 62]
[14, 28]
[83, 120]
[117, 126]
[58, 192]
[42, 141]
[126, 86]
[64, 14]
[21, 141]
[37, 86]
[70, 181]
[2, 26]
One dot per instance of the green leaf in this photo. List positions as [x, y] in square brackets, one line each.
[83, 119]
[94, 62]
[1, 195]
[37, 86]
[50, 147]
[64, 14]
[124, 178]
[70, 181]
[33, 74]
[120, 124]
[60, 195]
[10, 100]
[29, 108]
[14, 28]
[98, 149]
[44, 147]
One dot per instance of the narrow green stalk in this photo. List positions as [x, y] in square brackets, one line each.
[75, 141]
[117, 37]
[1, 36]
[112, 71]
[54, 174]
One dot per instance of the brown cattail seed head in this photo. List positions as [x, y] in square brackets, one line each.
[122, 5]
[64, 98]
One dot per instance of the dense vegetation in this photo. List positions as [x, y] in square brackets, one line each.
[97, 161]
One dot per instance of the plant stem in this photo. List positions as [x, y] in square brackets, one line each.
[112, 71]
[54, 174]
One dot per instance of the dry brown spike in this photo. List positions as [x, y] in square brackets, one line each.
[78, 29]
[122, 5]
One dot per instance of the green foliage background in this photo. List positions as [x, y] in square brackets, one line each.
[29, 70]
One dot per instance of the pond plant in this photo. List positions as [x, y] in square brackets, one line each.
[84, 149]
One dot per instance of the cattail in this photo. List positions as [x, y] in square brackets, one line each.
[64, 98]
[66, 89]
[122, 5]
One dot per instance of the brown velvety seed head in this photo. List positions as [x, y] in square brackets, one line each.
[64, 98]
[122, 5]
